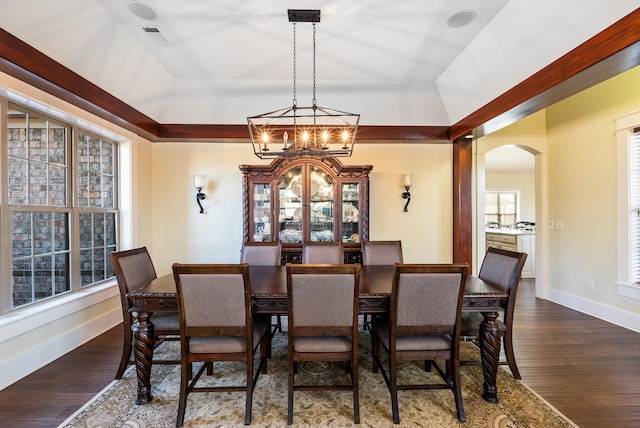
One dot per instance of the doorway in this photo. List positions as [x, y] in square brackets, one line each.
[513, 163]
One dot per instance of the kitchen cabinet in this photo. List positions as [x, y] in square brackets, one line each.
[304, 198]
[523, 242]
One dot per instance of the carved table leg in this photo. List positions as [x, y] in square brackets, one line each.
[490, 337]
[143, 334]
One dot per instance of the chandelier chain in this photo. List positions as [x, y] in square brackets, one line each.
[314, 65]
[294, 66]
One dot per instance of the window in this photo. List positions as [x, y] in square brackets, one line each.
[501, 207]
[628, 209]
[45, 214]
[96, 199]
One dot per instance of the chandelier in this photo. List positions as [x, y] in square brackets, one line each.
[294, 130]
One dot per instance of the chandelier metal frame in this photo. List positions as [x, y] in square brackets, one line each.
[297, 131]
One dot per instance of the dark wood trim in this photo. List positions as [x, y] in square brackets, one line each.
[610, 52]
[462, 202]
[366, 133]
[20, 60]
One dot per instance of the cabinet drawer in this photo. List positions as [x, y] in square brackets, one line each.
[502, 245]
[506, 239]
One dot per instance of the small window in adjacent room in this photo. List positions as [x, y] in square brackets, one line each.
[501, 207]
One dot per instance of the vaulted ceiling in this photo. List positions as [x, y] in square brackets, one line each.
[406, 63]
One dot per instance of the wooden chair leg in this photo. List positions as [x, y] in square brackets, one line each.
[184, 386]
[375, 352]
[457, 391]
[126, 354]
[279, 323]
[511, 358]
[249, 393]
[290, 393]
[393, 389]
[356, 390]
[265, 350]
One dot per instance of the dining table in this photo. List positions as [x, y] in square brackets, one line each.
[269, 296]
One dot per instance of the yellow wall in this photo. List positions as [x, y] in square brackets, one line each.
[582, 189]
[182, 234]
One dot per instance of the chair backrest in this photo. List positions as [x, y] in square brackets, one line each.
[381, 252]
[503, 268]
[133, 269]
[213, 299]
[427, 298]
[261, 253]
[321, 298]
[322, 252]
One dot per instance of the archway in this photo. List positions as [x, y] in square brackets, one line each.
[536, 146]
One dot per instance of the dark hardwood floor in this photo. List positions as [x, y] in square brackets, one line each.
[587, 368]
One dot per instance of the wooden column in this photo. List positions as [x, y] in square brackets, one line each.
[462, 206]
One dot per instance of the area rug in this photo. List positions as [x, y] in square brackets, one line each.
[519, 406]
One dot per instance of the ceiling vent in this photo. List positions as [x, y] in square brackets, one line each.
[155, 34]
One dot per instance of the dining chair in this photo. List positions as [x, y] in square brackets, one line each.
[501, 268]
[216, 324]
[322, 252]
[381, 252]
[263, 254]
[133, 269]
[423, 325]
[323, 323]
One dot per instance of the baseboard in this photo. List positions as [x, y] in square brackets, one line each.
[28, 343]
[626, 319]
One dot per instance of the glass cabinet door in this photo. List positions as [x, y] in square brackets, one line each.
[350, 213]
[261, 224]
[290, 210]
[321, 206]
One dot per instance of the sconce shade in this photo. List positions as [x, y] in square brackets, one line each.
[407, 181]
[199, 182]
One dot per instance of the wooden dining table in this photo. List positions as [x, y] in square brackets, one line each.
[269, 295]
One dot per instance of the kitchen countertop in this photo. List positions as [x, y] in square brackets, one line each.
[511, 231]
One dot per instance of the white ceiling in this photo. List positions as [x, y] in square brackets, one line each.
[396, 62]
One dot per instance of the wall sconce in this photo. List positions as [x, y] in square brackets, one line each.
[407, 180]
[199, 185]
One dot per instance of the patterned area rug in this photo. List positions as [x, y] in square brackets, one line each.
[518, 407]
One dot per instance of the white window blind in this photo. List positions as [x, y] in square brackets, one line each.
[634, 208]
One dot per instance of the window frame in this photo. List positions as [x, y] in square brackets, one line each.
[71, 207]
[500, 213]
[626, 126]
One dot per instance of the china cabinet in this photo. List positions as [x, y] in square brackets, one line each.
[306, 198]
